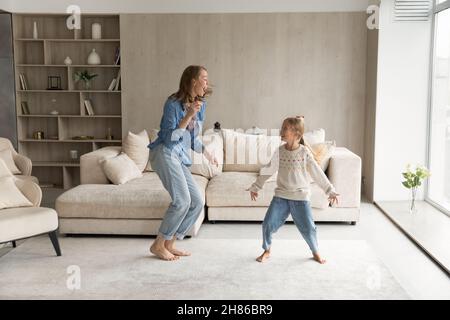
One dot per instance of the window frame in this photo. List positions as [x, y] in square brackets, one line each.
[437, 8]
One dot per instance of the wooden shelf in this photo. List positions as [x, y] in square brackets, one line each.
[68, 40]
[66, 116]
[71, 66]
[55, 164]
[70, 140]
[70, 91]
[37, 59]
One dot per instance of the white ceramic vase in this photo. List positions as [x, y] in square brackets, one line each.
[67, 61]
[93, 58]
[35, 31]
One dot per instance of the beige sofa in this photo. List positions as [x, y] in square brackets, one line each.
[99, 207]
[137, 207]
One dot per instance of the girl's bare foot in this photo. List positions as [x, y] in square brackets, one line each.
[170, 246]
[318, 258]
[264, 256]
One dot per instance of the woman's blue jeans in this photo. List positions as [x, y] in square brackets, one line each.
[187, 201]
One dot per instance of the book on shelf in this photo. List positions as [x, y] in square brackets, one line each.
[117, 56]
[23, 82]
[89, 109]
[112, 85]
[25, 109]
[117, 81]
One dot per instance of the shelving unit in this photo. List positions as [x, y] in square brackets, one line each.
[43, 57]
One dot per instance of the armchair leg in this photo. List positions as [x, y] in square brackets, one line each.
[14, 244]
[54, 239]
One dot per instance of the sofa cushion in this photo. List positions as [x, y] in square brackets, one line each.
[213, 143]
[142, 198]
[120, 169]
[323, 152]
[4, 170]
[10, 195]
[135, 146]
[247, 152]
[314, 136]
[235, 184]
[7, 156]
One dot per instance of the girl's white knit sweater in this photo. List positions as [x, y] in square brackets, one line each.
[293, 167]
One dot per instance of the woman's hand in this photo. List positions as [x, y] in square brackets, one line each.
[333, 197]
[193, 108]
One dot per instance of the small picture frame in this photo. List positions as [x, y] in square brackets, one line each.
[54, 83]
[25, 109]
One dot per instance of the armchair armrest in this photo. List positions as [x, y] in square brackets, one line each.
[91, 171]
[23, 163]
[344, 172]
[30, 190]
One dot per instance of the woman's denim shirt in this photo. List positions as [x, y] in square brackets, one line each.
[176, 139]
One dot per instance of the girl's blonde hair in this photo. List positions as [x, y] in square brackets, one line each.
[298, 124]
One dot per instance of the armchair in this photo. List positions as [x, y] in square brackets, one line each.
[24, 222]
[22, 162]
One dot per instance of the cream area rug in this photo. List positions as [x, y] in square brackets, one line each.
[122, 268]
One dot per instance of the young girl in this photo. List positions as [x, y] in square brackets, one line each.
[293, 161]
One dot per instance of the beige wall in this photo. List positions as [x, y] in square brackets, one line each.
[264, 67]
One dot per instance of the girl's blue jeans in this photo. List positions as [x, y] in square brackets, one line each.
[277, 214]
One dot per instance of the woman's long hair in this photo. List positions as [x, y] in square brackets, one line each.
[184, 92]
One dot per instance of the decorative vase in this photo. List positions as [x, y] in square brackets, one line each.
[35, 31]
[93, 58]
[96, 31]
[87, 84]
[67, 61]
[413, 208]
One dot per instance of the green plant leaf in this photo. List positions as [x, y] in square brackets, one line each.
[406, 184]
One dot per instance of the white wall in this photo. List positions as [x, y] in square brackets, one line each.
[402, 101]
[184, 6]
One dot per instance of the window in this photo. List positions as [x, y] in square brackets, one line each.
[439, 140]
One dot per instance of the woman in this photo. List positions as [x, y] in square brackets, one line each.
[183, 116]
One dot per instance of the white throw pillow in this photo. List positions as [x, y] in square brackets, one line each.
[247, 152]
[135, 146]
[314, 137]
[152, 136]
[213, 143]
[10, 195]
[4, 170]
[6, 155]
[120, 169]
[323, 152]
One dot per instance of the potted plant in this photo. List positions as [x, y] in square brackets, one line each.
[413, 180]
[84, 76]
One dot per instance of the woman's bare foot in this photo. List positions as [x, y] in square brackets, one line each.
[264, 256]
[163, 253]
[170, 246]
[318, 258]
[158, 249]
